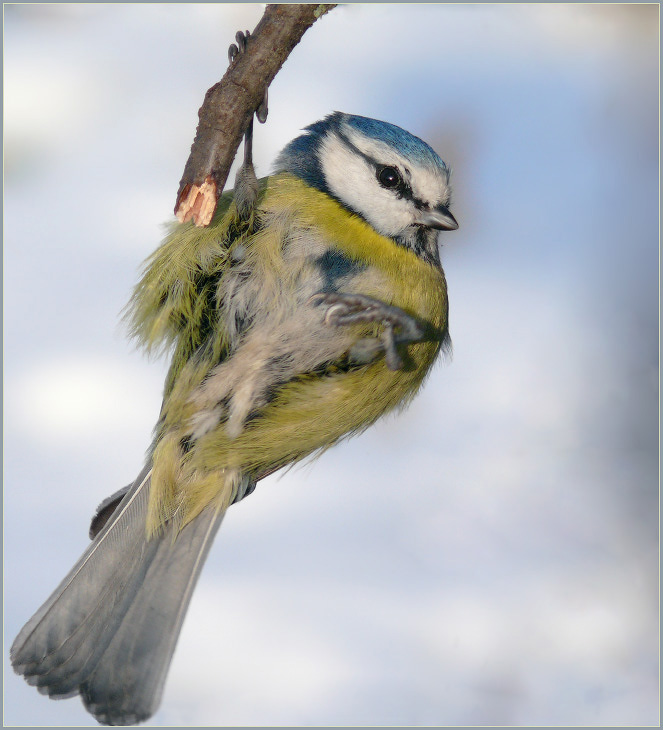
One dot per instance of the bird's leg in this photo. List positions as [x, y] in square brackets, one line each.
[246, 182]
[347, 309]
[261, 112]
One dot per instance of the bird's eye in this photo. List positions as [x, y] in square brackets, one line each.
[389, 177]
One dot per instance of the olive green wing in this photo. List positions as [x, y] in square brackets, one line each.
[174, 305]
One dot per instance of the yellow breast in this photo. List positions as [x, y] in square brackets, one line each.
[411, 283]
[313, 411]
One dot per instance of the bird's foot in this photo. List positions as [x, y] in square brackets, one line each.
[234, 50]
[348, 309]
[246, 182]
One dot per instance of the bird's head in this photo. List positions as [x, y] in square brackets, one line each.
[389, 177]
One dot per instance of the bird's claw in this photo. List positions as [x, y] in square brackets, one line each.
[246, 182]
[263, 110]
[347, 309]
[234, 50]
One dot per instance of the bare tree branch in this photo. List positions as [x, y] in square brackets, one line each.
[229, 106]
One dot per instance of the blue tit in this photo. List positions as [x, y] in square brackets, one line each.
[293, 322]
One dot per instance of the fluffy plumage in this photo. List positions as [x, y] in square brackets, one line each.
[275, 356]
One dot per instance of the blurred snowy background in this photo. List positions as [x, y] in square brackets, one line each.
[491, 555]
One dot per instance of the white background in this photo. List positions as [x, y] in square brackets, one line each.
[488, 557]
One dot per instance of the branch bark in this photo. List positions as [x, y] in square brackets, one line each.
[229, 106]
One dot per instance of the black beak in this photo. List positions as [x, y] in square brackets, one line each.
[439, 217]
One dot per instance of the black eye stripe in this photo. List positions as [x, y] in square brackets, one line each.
[377, 166]
[403, 190]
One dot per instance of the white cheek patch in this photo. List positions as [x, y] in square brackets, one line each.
[352, 180]
[346, 174]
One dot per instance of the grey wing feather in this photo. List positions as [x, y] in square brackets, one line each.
[108, 632]
[105, 511]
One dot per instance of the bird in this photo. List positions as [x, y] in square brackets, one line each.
[313, 304]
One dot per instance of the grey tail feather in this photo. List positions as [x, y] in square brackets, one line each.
[108, 632]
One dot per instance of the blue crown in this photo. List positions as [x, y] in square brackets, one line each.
[409, 145]
[300, 156]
